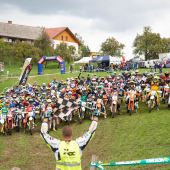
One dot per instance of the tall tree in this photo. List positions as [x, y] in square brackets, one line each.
[166, 45]
[84, 50]
[44, 44]
[150, 44]
[111, 47]
[65, 51]
[15, 53]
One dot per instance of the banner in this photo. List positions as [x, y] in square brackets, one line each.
[164, 160]
[25, 71]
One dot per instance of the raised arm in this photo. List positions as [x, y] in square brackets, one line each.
[53, 143]
[84, 140]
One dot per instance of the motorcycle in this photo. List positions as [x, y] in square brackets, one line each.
[18, 120]
[132, 102]
[31, 124]
[3, 125]
[152, 100]
[101, 108]
[166, 95]
[28, 122]
[82, 111]
[114, 104]
[9, 123]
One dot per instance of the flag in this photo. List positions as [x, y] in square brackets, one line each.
[25, 71]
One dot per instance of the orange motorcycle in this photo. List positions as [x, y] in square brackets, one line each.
[132, 102]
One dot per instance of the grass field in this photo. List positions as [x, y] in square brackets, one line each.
[49, 73]
[142, 135]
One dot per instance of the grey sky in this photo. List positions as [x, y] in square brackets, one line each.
[119, 18]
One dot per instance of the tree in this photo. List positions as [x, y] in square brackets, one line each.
[166, 45]
[111, 47]
[23, 50]
[44, 44]
[16, 53]
[65, 51]
[150, 44]
[84, 50]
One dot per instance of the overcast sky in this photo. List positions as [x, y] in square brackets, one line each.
[94, 20]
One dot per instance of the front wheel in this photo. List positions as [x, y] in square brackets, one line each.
[114, 110]
[30, 127]
[130, 111]
[81, 115]
[150, 106]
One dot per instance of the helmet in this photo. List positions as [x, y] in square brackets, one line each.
[155, 79]
[69, 92]
[49, 101]
[114, 87]
[30, 118]
[30, 100]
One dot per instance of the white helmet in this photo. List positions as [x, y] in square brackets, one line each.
[49, 101]
[30, 118]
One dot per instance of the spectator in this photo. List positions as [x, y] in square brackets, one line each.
[71, 68]
[80, 68]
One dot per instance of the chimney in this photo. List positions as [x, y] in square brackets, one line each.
[9, 22]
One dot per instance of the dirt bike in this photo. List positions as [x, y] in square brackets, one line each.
[25, 119]
[152, 100]
[100, 107]
[28, 122]
[132, 102]
[114, 104]
[3, 123]
[9, 123]
[18, 121]
[166, 95]
[105, 99]
[82, 111]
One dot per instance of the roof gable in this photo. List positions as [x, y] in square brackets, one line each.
[53, 32]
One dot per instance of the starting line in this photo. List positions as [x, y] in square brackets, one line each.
[164, 160]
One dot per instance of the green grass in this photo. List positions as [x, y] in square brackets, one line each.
[142, 135]
[51, 69]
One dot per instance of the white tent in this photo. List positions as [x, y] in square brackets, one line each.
[84, 60]
[115, 60]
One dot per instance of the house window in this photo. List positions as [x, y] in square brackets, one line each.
[62, 38]
[66, 38]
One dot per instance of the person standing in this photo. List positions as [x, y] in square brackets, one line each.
[68, 151]
[71, 68]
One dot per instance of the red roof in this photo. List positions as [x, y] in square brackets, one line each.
[53, 32]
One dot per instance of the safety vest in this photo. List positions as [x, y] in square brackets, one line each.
[70, 156]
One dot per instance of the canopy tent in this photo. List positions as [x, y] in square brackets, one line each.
[101, 59]
[115, 60]
[83, 60]
[110, 59]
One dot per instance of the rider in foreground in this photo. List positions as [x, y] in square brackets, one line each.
[68, 151]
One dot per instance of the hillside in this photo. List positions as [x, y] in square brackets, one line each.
[142, 135]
